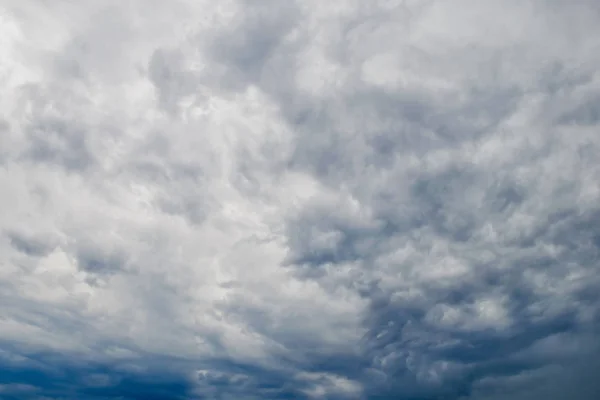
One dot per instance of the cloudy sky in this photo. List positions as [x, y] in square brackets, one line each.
[279, 199]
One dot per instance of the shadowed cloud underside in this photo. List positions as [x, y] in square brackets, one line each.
[300, 200]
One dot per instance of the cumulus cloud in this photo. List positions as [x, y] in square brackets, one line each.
[237, 199]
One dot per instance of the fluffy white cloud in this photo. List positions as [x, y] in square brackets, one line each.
[273, 199]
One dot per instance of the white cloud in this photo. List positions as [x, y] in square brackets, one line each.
[301, 199]
[325, 385]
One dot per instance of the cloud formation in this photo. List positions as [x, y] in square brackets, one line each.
[297, 199]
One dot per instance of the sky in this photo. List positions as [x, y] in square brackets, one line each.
[299, 199]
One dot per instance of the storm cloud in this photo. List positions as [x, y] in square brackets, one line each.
[300, 199]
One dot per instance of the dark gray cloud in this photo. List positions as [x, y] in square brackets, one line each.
[277, 200]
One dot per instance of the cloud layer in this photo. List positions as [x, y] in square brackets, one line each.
[297, 199]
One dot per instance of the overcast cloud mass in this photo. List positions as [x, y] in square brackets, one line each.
[278, 199]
